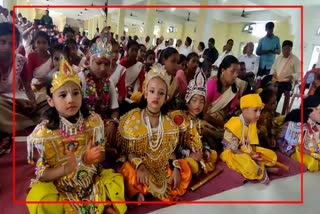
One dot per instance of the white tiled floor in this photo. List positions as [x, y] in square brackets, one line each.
[282, 189]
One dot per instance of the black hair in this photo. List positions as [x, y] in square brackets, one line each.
[132, 43]
[266, 81]
[66, 48]
[57, 47]
[226, 63]
[229, 40]
[164, 108]
[189, 40]
[270, 25]
[41, 34]
[202, 45]
[192, 55]
[182, 59]
[287, 43]
[266, 95]
[166, 53]
[6, 29]
[211, 40]
[206, 65]
[149, 53]
[67, 30]
[52, 114]
[317, 92]
[309, 103]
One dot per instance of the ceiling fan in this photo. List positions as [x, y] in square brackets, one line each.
[188, 19]
[159, 11]
[244, 14]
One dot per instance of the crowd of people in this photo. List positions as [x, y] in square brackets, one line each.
[114, 119]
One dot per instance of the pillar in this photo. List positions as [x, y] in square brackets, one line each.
[120, 22]
[149, 21]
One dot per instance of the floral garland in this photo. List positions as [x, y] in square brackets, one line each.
[97, 99]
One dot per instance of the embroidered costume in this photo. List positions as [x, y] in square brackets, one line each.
[88, 182]
[191, 128]
[153, 147]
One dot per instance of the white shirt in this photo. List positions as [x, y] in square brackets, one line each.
[221, 57]
[286, 69]
[251, 62]
[185, 50]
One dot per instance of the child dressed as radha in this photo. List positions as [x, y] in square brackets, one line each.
[242, 152]
[148, 138]
[192, 147]
[71, 145]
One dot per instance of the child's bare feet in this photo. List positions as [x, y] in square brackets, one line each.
[140, 198]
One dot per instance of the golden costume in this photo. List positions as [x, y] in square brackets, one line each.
[88, 182]
[152, 147]
[190, 141]
[191, 128]
[239, 135]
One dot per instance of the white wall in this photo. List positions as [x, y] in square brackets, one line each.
[311, 24]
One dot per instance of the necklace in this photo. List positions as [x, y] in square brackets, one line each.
[97, 96]
[68, 129]
[153, 114]
[245, 138]
[155, 143]
[313, 133]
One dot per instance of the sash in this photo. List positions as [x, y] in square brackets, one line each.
[119, 71]
[132, 75]
[41, 72]
[278, 75]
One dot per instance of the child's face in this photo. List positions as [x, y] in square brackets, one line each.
[193, 64]
[183, 65]
[56, 57]
[41, 44]
[171, 64]
[155, 94]
[133, 52]
[100, 67]
[272, 104]
[150, 59]
[251, 115]
[315, 115]
[196, 104]
[274, 87]
[67, 100]
[141, 52]
[115, 53]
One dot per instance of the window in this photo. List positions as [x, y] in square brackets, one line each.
[256, 29]
[314, 57]
[172, 29]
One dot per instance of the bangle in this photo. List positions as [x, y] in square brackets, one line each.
[136, 162]
[174, 164]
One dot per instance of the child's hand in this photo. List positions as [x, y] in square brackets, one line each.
[207, 155]
[257, 156]
[71, 164]
[93, 155]
[196, 155]
[175, 178]
[143, 175]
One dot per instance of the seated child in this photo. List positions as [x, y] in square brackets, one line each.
[241, 143]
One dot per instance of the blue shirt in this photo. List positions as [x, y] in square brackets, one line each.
[268, 43]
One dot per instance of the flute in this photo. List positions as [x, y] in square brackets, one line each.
[205, 179]
[281, 165]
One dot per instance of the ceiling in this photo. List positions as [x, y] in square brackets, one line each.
[178, 16]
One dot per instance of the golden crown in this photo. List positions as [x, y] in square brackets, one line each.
[157, 71]
[65, 74]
